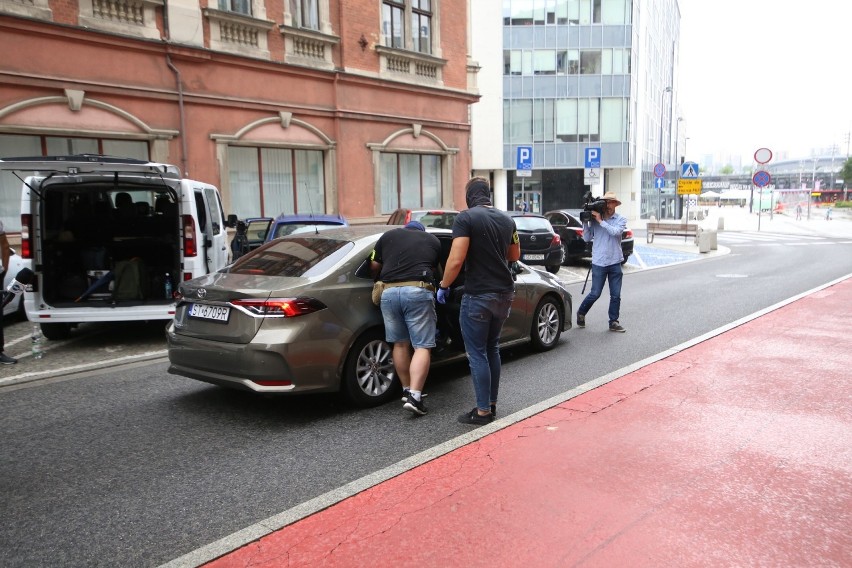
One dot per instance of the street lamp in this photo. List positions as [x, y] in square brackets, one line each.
[660, 191]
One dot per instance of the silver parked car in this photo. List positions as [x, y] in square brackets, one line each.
[295, 316]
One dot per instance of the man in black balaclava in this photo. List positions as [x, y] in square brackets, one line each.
[485, 241]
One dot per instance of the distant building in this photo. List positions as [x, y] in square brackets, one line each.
[577, 75]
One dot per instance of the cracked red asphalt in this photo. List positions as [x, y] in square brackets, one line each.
[736, 451]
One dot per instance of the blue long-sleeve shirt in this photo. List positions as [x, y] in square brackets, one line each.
[606, 237]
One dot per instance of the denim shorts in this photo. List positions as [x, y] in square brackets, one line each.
[409, 314]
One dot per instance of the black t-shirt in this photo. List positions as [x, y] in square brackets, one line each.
[491, 232]
[407, 254]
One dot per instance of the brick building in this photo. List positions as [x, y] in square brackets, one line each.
[352, 106]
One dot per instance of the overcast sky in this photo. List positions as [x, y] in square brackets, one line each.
[764, 73]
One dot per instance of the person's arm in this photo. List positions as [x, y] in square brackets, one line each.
[455, 261]
[375, 269]
[513, 253]
[5, 253]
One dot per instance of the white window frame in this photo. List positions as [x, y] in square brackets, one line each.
[404, 63]
[308, 46]
[238, 33]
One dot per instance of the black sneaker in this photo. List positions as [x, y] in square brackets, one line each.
[581, 320]
[6, 360]
[405, 395]
[415, 406]
[473, 417]
[614, 326]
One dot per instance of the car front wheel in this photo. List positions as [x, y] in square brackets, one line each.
[369, 378]
[546, 325]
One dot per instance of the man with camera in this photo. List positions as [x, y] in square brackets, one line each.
[603, 226]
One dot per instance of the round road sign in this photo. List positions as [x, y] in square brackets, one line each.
[763, 156]
[659, 170]
[761, 178]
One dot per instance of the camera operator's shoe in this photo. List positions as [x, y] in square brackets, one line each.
[614, 326]
[6, 360]
[581, 320]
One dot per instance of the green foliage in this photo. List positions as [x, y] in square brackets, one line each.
[843, 204]
[727, 169]
[846, 172]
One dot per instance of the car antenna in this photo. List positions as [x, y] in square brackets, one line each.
[310, 206]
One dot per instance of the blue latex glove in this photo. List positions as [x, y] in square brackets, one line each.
[443, 294]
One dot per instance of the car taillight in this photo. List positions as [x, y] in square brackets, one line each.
[578, 231]
[26, 241]
[556, 241]
[190, 247]
[280, 307]
[627, 234]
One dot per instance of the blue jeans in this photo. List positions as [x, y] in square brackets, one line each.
[601, 274]
[481, 320]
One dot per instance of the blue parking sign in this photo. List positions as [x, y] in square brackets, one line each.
[525, 158]
[593, 157]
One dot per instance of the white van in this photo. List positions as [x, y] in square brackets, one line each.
[109, 239]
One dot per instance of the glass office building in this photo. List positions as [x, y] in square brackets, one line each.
[581, 74]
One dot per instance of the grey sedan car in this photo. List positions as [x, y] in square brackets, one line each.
[295, 316]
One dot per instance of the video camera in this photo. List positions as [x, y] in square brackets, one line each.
[590, 205]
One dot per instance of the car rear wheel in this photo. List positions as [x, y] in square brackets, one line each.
[56, 331]
[369, 378]
[546, 325]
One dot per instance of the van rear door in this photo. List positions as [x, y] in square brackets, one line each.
[211, 220]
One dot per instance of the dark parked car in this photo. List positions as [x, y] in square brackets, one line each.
[438, 218]
[540, 243]
[295, 316]
[264, 229]
[567, 223]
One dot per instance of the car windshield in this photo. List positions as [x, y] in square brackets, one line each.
[296, 228]
[532, 224]
[293, 257]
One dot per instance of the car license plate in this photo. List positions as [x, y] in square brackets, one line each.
[203, 311]
[533, 257]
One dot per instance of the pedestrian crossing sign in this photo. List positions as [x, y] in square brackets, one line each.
[689, 170]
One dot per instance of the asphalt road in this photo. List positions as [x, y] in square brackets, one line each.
[130, 466]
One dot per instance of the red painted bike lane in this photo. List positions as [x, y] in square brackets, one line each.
[736, 451]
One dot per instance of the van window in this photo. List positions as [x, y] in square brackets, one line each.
[217, 219]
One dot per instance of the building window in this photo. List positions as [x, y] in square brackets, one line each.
[238, 6]
[395, 13]
[410, 180]
[590, 62]
[305, 14]
[265, 182]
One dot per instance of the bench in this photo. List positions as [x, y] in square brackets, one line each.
[671, 229]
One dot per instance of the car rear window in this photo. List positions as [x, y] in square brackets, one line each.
[438, 220]
[532, 224]
[293, 257]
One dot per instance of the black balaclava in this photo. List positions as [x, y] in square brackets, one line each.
[478, 193]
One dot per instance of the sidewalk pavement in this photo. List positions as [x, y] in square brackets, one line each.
[731, 450]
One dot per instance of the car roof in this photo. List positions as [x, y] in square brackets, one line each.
[310, 218]
[524, 214]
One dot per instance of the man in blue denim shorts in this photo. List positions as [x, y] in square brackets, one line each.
[485, 241]
[405, 259]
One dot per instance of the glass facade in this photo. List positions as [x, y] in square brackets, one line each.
[570, 82]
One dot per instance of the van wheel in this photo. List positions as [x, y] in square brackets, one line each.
[546, 325]
[369, 378]
[56, 331]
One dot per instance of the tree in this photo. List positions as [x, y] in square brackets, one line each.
[846, 172]
[727, 170]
